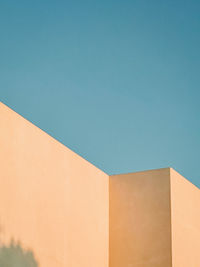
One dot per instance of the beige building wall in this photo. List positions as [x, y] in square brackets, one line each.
[71, 214]
[52, 201]
[140, 219]
[185, 206]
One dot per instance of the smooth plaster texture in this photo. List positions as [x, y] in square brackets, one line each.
[140, 228]
[51, 200]
[68, 213]
[185, 205]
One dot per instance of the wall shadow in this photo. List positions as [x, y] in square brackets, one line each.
[13, 255]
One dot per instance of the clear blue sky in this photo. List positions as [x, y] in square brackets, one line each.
[116, 81]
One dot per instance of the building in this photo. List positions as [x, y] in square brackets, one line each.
[67, 213]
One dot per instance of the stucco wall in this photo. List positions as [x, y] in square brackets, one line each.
[185, 206]
[140, 226]
[51, 200]
[68, 213]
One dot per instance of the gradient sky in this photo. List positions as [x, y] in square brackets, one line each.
[116, 81]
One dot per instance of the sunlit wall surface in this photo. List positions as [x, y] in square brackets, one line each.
[52, 202]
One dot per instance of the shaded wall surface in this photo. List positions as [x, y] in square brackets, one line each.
[58, 210]
[140, 226]
[51, 200]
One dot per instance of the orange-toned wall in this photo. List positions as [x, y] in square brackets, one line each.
[71, 214]
[185, 209]
[140, 219]
[51, 200]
